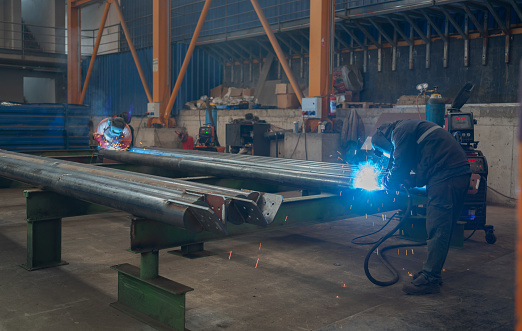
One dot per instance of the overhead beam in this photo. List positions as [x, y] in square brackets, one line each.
[297, 41]
[354, 37]
[434, 26]
[367, 34]
[339, 37]
[516, 8]
[416, 28]
[399, 31]
[473, 19]
[453, 22]
[382, 32]
[277, 49]
[82, 3]
[287, 44]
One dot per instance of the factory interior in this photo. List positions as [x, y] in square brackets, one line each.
[260, 165]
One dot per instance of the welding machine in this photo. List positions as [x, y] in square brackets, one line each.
[462, 126]
[207, 140]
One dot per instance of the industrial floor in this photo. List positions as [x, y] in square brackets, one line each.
[305, 278]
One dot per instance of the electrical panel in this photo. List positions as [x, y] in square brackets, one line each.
[312, 107]
[153, 109]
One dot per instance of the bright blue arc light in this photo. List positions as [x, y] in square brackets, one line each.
[366, 177]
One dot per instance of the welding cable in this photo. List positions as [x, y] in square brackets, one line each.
[383, 257]
[369, 234]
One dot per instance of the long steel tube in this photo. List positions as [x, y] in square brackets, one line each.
[343, 170]
[246, 171]
[194, 207]
[256, 207]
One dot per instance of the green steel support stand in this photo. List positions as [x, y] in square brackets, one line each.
[192, 251]
[44, 244]
[148, 297]
[44, 213]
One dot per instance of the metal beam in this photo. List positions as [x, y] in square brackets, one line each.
[193, 206]
[367, 34]
[278, 50]
[73, 53]
[227, 53]
[304, 48]
[398, 29]
[133, 50]
[354, 37]
[160, 57]
[81, 3]
[252, 55]
[382, 32]
[516, 8]
[415, 27]
[493, 12]
[434, 26]
[95, 51]
[473, 19]
[339, 37]
[290, 47]
[186, 61]
[453, 22]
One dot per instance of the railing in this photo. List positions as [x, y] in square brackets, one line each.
[30, 38]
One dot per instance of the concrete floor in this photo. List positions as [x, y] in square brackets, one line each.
[307, 278]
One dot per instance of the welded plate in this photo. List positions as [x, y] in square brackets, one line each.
[269, 204]
[251, 212]
[207, 218]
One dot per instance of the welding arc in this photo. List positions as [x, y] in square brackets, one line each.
[386, 263]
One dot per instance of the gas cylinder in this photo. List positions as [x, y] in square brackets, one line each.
[333, 105]
[436, 109]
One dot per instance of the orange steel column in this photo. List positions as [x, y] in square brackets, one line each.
[278, 50]
[73, 53]
[133, 50]
[95, 51]
[320, 57]
[160, 55]
[184, 66]
[518, 254]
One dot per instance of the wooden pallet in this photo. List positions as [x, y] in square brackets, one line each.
[366, 105]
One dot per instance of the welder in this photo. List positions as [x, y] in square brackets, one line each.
[439, 163]
[113, 133]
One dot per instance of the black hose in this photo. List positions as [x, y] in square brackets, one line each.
[383, 257]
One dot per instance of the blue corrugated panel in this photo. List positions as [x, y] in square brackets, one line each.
[116, 87]
[138, 16]
[232, 15]
[37, 127]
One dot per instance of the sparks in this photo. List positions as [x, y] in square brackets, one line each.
[230, 255]
[337, 297]
[259, 246]
[257, 263]
[286, 218]
[412, 251]
[344, 285]
[410, 274]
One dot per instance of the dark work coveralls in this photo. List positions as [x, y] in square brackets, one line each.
[440, 163]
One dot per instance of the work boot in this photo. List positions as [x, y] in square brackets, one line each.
[421, 285]
[420, 273]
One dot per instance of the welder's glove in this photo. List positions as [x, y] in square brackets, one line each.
[386, 181]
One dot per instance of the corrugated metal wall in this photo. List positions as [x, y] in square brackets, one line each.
[115, 85]
[39, 127]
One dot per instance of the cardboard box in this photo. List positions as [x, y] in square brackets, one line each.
[236, 92]
[249, 92]
[287, 101]
[352, 96]
[284, 89]
[219, 91]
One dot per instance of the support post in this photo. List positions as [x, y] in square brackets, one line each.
[73, 53]
[278, 50]
[160, 55]
[165, 116]
[321, 21]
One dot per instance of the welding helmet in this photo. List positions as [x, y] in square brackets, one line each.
[117, 125]
[381, 140]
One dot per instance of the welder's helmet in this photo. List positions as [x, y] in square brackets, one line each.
[381, 140]
[117, 125]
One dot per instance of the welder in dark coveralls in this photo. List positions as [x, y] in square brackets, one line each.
[440, 163]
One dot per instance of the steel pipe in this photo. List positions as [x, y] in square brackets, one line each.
[259, 168]
[179, 203]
